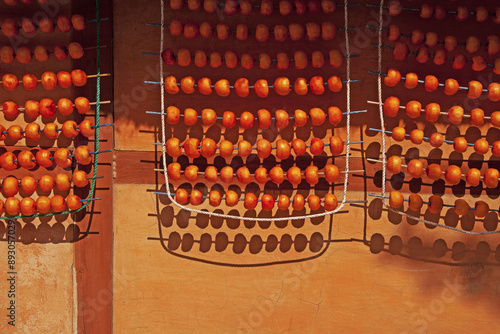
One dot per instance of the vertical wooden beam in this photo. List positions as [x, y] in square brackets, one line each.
[93, 254]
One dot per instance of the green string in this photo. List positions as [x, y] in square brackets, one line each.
[98, 108]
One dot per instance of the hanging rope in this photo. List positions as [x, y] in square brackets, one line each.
[163, 124]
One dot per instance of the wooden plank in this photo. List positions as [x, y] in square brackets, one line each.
[93, 254]
[133, 167]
